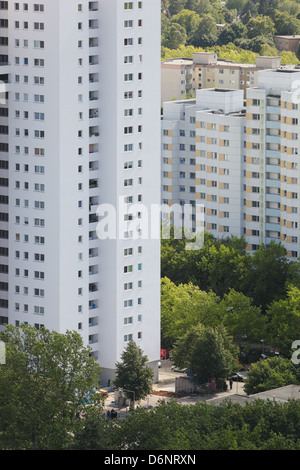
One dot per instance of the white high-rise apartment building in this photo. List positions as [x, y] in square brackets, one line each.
[80, 129]
[202, 158]
[240, 159]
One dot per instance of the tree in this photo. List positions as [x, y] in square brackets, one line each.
[286, 24]
[260, 26]
[189, 20]
[268, 374]
[207, 352]
[174, 36]
[175, 6]
[284, 322]
[183, 307]
[258, 43]
[257, 425]
[232, 32]
[270, 272]
[268, 7]
[243, 320]
[236, 5]
[206, 33]
[46, 380]
[133, 374]
[94, 432]
[250, 10]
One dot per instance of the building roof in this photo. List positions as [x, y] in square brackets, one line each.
[278, 395]
[296, 36]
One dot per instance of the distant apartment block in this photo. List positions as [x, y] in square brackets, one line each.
[181, 77]
[287, 43]
[240, 159]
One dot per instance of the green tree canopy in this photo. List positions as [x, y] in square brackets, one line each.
[258, 425]
[284, 321]
[206, 33]
[286, 24]
[268, 374]
[183, 307]
[175, 35]
[133, 374]
[189, 20]
[260, 26]
[46, 380]
[243, 320]
[207, 352]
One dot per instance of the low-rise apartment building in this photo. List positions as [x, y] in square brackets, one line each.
[181, 77]
[287, 43]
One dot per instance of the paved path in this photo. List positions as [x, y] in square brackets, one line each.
[166, 383]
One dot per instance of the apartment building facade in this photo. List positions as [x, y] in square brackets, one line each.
[201, 157]
[245, 159]
[80, 130]
[181, 77]
[287, 43]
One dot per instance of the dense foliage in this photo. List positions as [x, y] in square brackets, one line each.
[255, 297]
[247, 25]
[46, 380]
[256, 426]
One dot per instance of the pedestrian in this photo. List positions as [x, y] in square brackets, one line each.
[108, 414]
[230, 383]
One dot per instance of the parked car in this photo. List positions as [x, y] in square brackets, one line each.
[239, 377]
[242, 366]
[164, 354]
[178, 369]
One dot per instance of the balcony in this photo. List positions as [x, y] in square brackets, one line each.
[93, 184]
[93, 252]
[5, 78]
[93, 113]
[93, 42]
[273, 235]
[93, 287]
[93, 95]
[93, 6]
[93, 218]
[93, 270]
[93, 203]
[93, 166]
[93, 304]
[93, 339]
[93, 148]
[93, 322]
[93, 60]
[93, 78]
[272, 212]
[93, 235]
[275, 110]
[93, 24]
[94, 131]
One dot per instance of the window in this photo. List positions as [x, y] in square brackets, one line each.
[128, 6]
[128, 337]
[38, 7]
[39, 310]
[128, 41]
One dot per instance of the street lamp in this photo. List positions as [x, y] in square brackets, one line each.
[130, 391]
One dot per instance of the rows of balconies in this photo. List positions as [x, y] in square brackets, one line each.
[93, 6]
